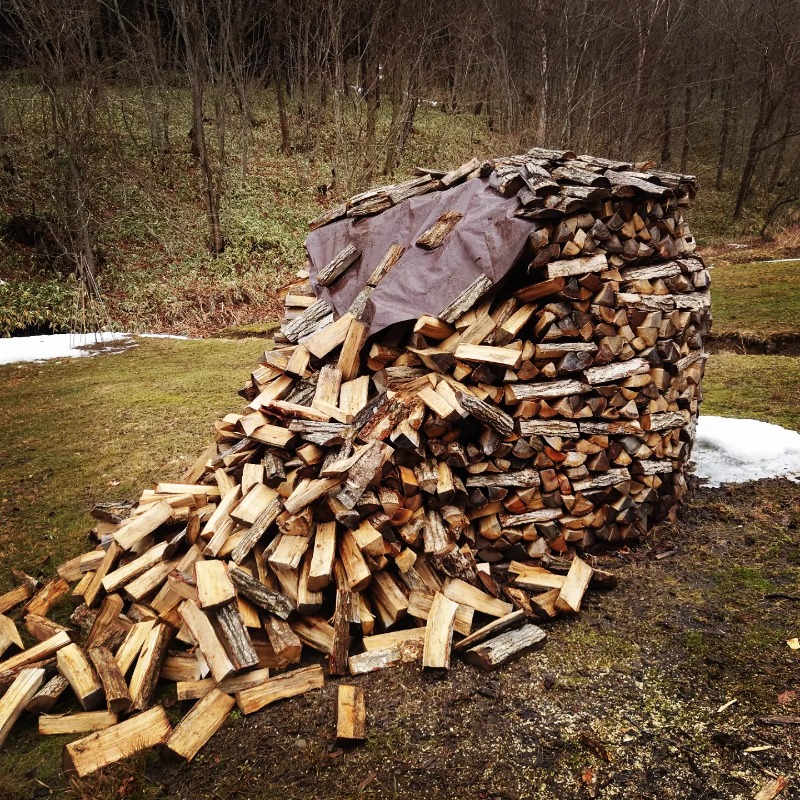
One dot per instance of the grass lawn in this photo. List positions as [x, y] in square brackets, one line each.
[80, 431]
[755, 299]
[757, 387]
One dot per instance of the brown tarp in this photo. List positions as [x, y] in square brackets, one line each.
[487, 241]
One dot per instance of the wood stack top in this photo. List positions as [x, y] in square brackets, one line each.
[547, 183]
[398, 252]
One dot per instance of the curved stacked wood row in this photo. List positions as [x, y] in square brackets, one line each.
[390, 500]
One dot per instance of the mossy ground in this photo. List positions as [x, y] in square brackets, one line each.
[642, 671]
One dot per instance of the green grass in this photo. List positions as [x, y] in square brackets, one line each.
[103, 428]
[759, 387]
[756, 299]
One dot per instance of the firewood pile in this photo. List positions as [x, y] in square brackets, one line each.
[401, 486]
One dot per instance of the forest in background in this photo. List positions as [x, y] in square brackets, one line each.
[159, 159]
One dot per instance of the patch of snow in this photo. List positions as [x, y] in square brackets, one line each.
[19, 349]
[161, 336]
[730, 450]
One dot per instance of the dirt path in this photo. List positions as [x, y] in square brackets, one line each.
[622, 703]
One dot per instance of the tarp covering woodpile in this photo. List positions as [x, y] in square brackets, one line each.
[482, 377]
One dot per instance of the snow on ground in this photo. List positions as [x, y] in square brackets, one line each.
[738, 450]
[67, 345]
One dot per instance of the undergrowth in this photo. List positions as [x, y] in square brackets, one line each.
[156, 272]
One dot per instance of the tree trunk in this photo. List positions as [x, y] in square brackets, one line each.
[687, 117]
[5, 159]
[724, 138]
[286, 137]
[666, 134]
[196, 78]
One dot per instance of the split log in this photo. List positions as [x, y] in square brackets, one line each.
[19, 694]
[506, 647]
[439, 633]
[85, 756]
[199, 725]
[351, 715]
[290, 684]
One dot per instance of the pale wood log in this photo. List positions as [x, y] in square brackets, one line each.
[350, 356]
[288, 552]
[148, 666]
[439, 633]
[133, 569]
[381, 641]
[307, 491]
[419, 606]
[47, 597]
[328, 338]
[197, 689]
[506, 647]
[358, 573]
[133, 532]
[539, 578]
[9, 634]
[314, 632]
[182, 667]
[102, 748]
[464, 594]
[574, 587]
[92, 591]
[482, 354]
[253, 504]
[18, 695]
[38, 652]
[576, 266]
[132, 645]
[199, 725]
[214, 586]
[289, 684]
[324, 553]
[386, 591]
[351, 714]
[76, 568]
[80, 722]
[308, 601]
[206, 638]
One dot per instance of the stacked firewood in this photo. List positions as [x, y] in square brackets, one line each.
[399, 496]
